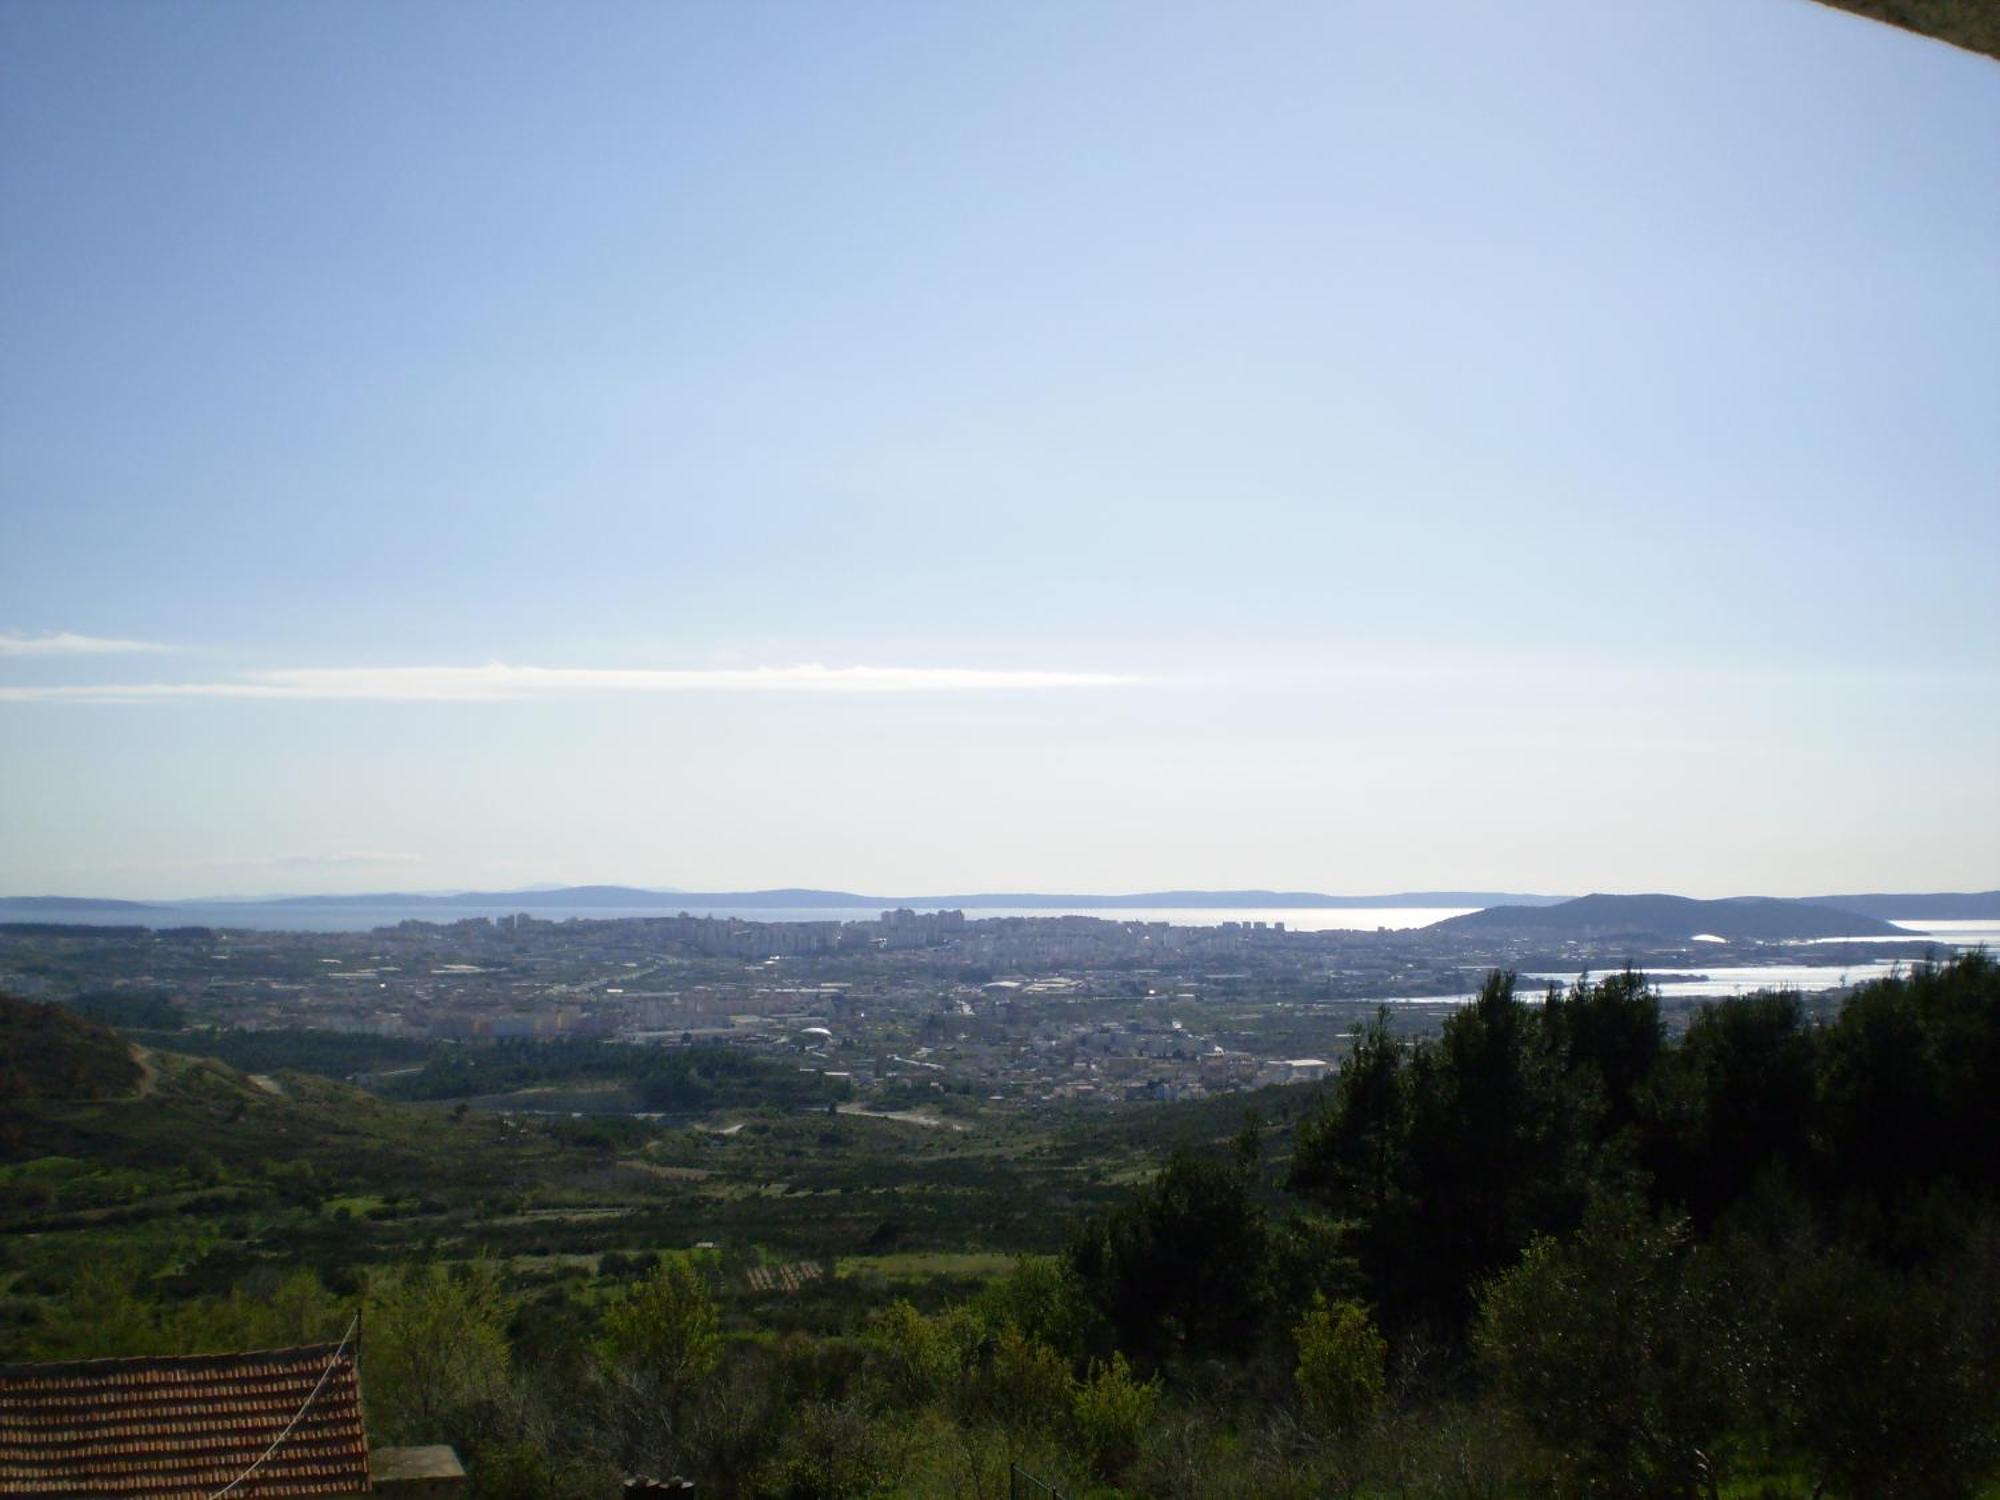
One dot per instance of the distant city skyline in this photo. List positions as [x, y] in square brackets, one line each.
[887, 447]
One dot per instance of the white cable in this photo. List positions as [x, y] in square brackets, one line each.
[297, 1417]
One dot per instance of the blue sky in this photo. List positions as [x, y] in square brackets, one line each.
[1337, 446]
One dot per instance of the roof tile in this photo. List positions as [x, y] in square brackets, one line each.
[184, 1427]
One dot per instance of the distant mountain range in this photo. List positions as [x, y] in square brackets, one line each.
[1744, 918]
[585, 897]
[73, 903]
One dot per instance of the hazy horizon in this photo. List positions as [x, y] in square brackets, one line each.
[1113, 448]
[935, 892]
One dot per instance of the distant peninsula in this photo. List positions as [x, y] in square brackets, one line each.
[1741, 919]
[1938, 906]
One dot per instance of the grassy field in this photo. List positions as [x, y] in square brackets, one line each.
[926, 1266]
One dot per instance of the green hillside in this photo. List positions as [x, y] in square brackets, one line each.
[46, 1052]
[204, 1173]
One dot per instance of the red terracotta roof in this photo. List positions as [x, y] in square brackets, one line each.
[185, 1427]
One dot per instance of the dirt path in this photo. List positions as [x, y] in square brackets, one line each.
[149, 1076]
[907, 1116]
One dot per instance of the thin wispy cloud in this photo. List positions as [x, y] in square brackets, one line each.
[338, 860]
[334, 860]
[496, 682]
[69, 643]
